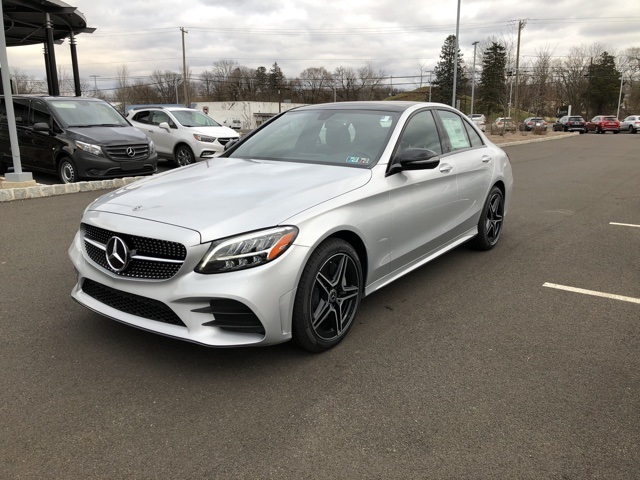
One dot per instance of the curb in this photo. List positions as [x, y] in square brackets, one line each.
[541, 138]
[40, 191]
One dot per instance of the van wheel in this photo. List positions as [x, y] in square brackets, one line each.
[67, 171]
[183, 156]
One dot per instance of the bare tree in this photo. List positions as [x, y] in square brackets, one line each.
[371, 82]
[314, 85]
[26, 83]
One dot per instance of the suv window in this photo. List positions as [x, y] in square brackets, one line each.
[576, 119]
[158, 117]
[142, 117]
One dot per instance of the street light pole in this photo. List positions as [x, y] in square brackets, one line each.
[473, 75]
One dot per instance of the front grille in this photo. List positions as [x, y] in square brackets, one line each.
[162, 259]
[130, 303]
[224, 141]
[119, 152]
[232, 316]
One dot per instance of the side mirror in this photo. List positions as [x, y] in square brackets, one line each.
[415, 159]
[164, 126]
[41, 127]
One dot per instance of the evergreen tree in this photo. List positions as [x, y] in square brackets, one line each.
[444, 72]
[604, 85]
[492, 87]
[276, 79]
[262, 82]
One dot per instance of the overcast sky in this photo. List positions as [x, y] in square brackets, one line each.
[396, 36]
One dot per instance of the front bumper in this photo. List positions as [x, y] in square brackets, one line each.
[267, 291]
[94, 167]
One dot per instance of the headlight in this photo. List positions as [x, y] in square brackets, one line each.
[204, 138]
[152, 147]
[87, 147]
[247, 251]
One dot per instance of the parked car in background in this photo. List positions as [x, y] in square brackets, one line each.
[603, 123]
[503, 124]
[75, 138]
[234, 123]
[480, 120]
[182, 134]
[631, 123]
[531, 123]
[283, 235]
[574, 123]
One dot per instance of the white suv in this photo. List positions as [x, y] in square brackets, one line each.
[182, 134]
[480, 120]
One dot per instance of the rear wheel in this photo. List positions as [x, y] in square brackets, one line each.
[328, 296]
[67, 171]
[183, 156]
[490, 223]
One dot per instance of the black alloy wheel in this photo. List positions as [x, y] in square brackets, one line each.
[490, 223]
[328, 296]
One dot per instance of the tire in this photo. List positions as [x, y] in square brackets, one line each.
[616, 131]
[183, 156]
[631, 129]
[490, 223]
[67, 171]
[328, 296]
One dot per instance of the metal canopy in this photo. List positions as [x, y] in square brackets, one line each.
[25, 21]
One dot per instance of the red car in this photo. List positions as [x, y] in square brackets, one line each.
[604, 123]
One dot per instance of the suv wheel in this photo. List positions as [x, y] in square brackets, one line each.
[184, 156]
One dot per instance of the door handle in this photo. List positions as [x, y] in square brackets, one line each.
[486, 159]
[446, 168]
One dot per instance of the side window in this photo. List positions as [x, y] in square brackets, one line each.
[476, 140]
[39, 113]
[142, 117]
[3, 111]
[159, 117]
[421, 132]
[21, 110]
[456, 131]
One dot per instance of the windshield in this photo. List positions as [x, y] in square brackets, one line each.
[87, 113]
[354, 138]
[193, 118]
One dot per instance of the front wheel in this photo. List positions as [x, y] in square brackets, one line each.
[490, 223]
[328, 296]
[67, 171]
[184, 156]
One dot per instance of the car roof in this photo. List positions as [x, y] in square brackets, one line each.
[388, 106]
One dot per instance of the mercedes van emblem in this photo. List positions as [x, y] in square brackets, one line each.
[131, 152]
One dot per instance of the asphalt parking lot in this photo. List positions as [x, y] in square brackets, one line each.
[521, 362]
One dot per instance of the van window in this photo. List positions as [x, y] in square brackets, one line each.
[39, 113]
[21, 110]
[87, 113]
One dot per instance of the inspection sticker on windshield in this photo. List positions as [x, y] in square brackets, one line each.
[361, 160]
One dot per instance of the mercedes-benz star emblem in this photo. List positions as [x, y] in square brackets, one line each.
[117, 253]
[131, 152]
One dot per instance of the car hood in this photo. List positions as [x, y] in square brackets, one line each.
[215, 131]
[108, 135]
[227, 196]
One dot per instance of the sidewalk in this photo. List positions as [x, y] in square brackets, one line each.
[39, 190]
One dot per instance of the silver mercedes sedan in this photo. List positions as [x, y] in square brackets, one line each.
[283, 235]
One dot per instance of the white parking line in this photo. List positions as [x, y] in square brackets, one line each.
[592, 292]
[624, 224]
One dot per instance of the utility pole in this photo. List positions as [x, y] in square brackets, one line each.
[184, 70]
[95, 84]
[455, 59]
[521, 25]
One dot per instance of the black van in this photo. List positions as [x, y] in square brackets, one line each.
[76, 138]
